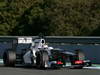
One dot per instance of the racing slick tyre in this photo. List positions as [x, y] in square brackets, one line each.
[87, 63]
[9, 58]
[80, 54]
[42, 59]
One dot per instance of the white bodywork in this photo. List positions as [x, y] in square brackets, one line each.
[37, 45]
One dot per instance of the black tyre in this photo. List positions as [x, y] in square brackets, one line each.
[42, 59]
[80, 54]
[9, 58]
[87, 63]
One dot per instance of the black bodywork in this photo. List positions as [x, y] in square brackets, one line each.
[63, 57]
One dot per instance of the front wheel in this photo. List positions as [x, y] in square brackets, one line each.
[42, 59]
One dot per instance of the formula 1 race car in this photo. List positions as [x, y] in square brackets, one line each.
[38, 54]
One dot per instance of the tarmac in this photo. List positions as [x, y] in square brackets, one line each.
[93, 70]
[34, 71]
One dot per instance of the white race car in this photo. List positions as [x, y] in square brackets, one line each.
[39, 54]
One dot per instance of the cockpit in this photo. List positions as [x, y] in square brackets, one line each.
[39, 43]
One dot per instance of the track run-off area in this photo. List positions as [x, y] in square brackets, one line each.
[34, 71]
[93, 70]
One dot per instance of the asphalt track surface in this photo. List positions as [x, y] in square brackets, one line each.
[34, 71]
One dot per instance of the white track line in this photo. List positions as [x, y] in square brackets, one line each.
[94, 67]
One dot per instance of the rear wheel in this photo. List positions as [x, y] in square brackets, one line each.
[77, 60]
[80, 55]
[42, 59]
[9, 58]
